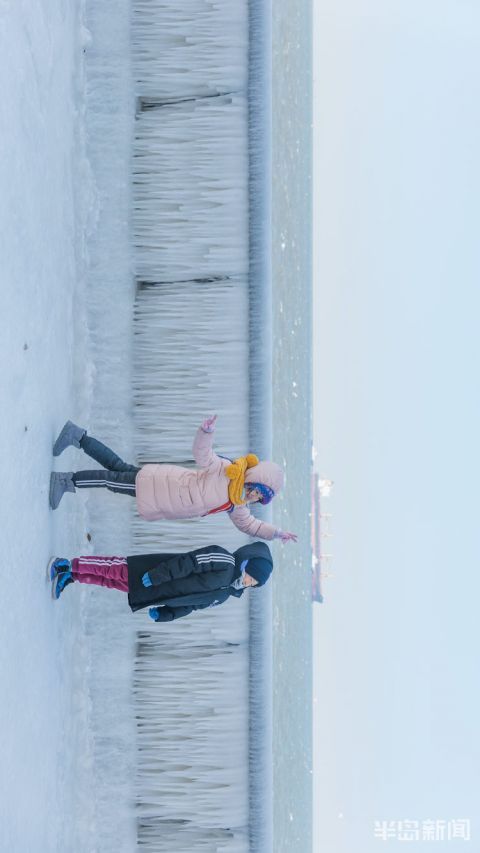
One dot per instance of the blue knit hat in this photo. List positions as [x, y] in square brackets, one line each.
[266, 492]
[259, 569]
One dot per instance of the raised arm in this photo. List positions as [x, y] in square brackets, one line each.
[203, 452]
[247, 523]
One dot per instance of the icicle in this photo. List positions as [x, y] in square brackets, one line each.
[190, 173]
[190, 49]
[190, 359]
[192, 765]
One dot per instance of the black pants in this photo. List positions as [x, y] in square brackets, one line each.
[116, 475]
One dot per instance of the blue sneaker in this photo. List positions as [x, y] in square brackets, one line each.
[57, 565]
[60, 582]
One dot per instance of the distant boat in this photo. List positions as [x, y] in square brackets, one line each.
[325, 487]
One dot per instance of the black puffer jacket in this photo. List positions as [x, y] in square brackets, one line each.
[185, 582]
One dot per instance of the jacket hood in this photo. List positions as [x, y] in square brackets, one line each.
[249, 552]
[268, 473]
[260, 563]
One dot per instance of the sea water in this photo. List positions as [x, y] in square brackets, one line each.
[292, 421]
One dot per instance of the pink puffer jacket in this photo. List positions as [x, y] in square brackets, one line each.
[170, 491]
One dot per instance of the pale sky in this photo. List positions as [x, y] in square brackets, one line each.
[397, 418]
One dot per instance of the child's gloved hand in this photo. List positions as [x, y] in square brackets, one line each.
[285, 536]
[146, 579]
[209, 423]
[154, 613]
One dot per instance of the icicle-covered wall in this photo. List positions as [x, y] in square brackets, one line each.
[191, 357]
[189, 360]
[192, 49]
[190, 173]
[170, 286]
[192, 736]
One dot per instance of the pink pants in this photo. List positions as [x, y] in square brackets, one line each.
[104, 571]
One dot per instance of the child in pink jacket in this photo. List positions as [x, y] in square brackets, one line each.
[171, 491]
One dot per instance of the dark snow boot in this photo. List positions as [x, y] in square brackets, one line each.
[70, 434]
[60, 482]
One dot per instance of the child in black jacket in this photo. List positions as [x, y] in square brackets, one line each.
[172, 585]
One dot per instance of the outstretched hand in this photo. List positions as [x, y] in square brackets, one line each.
[209, 423]
[287, 537]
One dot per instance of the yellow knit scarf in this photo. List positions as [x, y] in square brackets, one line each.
[236, 474]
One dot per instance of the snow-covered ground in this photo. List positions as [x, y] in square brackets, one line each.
[45, 801]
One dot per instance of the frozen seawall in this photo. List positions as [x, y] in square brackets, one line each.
[177, 142]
